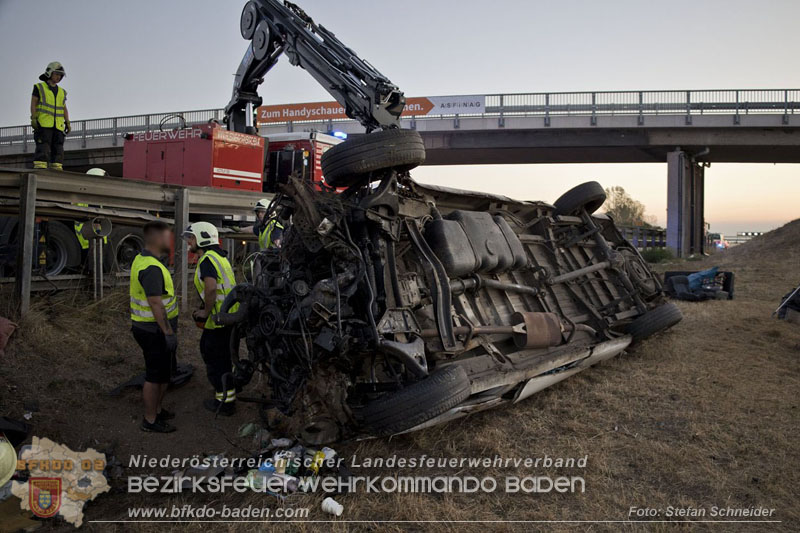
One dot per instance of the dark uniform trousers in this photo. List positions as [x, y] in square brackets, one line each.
[215, 347]
[49, 145]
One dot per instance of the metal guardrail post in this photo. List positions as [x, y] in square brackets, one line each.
[83, 134]
[593, 120]
[688, 108]
[456, 122]
[785, 119]
[640, 119]
[547, 109]
[736, 119]
[147, 123]
[181, 257]
[27, 244]
[114, 139]
[501, 121]
[25, 140]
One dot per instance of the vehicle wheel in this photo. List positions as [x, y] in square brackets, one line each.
[650, 323]
[63, 250]
[417, 403]
[589, 196]
[124, 244]
[346, 163]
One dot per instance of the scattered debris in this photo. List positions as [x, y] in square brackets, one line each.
[331, 506]
[250, 428]
[261, 438]
[789, 309]
[281, 443]
[693, 286]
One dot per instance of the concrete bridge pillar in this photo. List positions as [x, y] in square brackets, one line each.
[685, 198]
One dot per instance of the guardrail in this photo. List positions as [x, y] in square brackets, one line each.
[642, 238]
[733, 102]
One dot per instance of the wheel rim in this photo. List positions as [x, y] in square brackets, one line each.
[127, 249]
[55, 257]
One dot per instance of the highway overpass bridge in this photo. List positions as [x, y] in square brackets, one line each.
[685, 129]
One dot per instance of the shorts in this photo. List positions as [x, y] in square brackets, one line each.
[159, 364]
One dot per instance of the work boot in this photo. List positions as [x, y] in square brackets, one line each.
[56, 166]
[164, 415]
[158, 426]
[40, 164]
[216, 406]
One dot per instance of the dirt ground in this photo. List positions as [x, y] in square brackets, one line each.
[703, 415]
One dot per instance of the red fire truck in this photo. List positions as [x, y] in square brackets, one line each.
[209, 155]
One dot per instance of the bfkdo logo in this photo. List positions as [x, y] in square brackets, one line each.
[44, 496]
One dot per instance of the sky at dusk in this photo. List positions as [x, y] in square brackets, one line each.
[148, 56]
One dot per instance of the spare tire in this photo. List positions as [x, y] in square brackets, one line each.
[417, 403]
[658, 319]
[124, 244]
[347, 163]
[589, 196]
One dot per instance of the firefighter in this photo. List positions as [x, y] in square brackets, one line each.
[154, 318]
[84, 242]
[50, 118]
[269, 230]
[213, 279]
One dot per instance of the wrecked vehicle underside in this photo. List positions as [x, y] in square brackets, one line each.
[393, 305]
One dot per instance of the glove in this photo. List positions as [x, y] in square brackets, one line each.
[67, 128]
[34, 123]
[172, 343]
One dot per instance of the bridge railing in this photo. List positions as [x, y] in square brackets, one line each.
[599, 103]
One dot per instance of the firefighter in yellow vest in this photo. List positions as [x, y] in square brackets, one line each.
[154, 322]
[50, 118]
[79, 225]
[268, 230]
[213, 279]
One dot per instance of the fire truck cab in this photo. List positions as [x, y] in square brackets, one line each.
[300, 153]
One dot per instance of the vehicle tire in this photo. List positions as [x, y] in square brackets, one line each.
[589, 196]
[124, 244]
[63, 250]
[417, 403]
[650, 323]
[347, 163]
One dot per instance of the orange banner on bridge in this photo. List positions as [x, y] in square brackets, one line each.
[415, 106]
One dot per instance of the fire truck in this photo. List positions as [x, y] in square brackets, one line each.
[209, 155]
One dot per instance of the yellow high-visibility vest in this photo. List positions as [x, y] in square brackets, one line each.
[140, 309]
[265, 237]
[226, 280]
[50, 109]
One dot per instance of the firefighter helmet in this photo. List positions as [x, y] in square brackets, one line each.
[262, 204]
[205, 233]
[56, 67]
[97, 172]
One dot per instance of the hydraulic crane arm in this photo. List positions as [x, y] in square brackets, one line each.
[273, 28]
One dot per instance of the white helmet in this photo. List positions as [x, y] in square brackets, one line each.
[262, 204]
[205, 233]
[96, 172]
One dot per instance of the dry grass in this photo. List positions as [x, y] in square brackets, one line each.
[706, 414]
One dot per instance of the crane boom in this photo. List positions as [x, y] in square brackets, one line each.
[274, 28]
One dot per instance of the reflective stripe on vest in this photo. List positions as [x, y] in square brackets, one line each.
[140, 308]
[51, 109]
[265, 237]
[226, 280]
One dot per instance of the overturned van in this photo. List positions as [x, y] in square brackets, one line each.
[393, 306]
